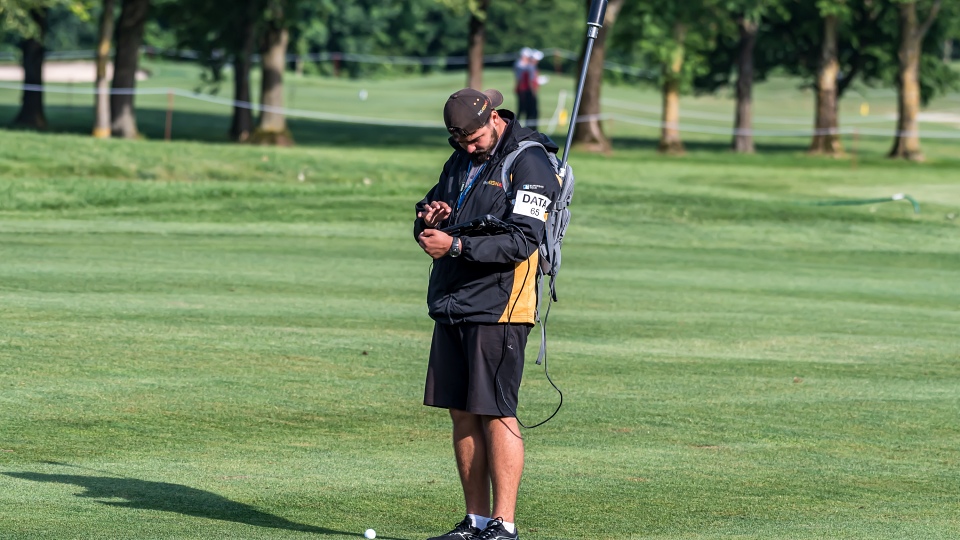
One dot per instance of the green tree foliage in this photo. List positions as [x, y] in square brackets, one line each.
[868, 36]
[428, 28]
[418, 28]
[68, 23]
[541, 24]
[648, 33]
[936, 77]
[865, 42]
[159, 32]
[207, 27]
[15, 16]
[27, 22]
[372, 27]
[676, 38]
[70, 32]
[720, 68]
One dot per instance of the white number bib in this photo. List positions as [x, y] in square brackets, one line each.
[531, 204]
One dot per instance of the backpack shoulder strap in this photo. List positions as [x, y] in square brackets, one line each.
[505, 178]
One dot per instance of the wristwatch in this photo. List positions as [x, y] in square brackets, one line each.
[455, 247]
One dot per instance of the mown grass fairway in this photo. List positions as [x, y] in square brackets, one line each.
[196, 343]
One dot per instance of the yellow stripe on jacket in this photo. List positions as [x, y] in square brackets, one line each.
[521, 307]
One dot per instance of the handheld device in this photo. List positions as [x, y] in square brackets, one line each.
[482, 226]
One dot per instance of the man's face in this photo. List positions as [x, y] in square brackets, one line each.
[481, 142]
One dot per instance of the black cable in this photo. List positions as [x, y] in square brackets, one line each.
[546, 371]
[503, 350]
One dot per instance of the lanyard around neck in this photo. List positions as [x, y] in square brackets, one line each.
[471, 179]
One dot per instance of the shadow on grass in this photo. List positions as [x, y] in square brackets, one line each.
[213, 128]
[166, 497]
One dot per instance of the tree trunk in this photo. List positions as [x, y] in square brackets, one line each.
[588, 134]
[101, 126]
[273, 122]
[670, 141]
[948, 51]
[31, 114]
[826, 136]
[477, 41]
[133, 17]
[743, 124]
[242, 125]
[907, 142]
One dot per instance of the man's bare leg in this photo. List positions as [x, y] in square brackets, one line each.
[470, 447]
[505, 461]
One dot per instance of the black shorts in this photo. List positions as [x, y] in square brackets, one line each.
[476, 367]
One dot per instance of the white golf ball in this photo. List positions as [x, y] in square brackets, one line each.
[363, 97]
[370, 534]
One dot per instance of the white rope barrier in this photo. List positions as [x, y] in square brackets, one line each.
[335, 117]
[713, 130]
[499, 58]
[871, 119]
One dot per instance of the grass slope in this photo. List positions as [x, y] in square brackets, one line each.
[196, 343]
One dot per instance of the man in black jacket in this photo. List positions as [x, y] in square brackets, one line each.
[483, 298]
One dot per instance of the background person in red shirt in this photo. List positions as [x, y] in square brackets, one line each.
[527, 78]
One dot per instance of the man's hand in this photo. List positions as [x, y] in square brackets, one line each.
[436, 212]
[435, 243]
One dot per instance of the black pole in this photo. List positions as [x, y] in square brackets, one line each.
[594, 22]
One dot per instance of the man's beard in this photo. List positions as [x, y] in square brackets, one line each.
[479, 158]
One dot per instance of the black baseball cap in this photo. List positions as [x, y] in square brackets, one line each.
[468, 110]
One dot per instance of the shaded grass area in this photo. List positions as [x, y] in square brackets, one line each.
[167, 497]
[213, 127]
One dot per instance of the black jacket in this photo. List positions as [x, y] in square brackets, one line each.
[494, 279]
